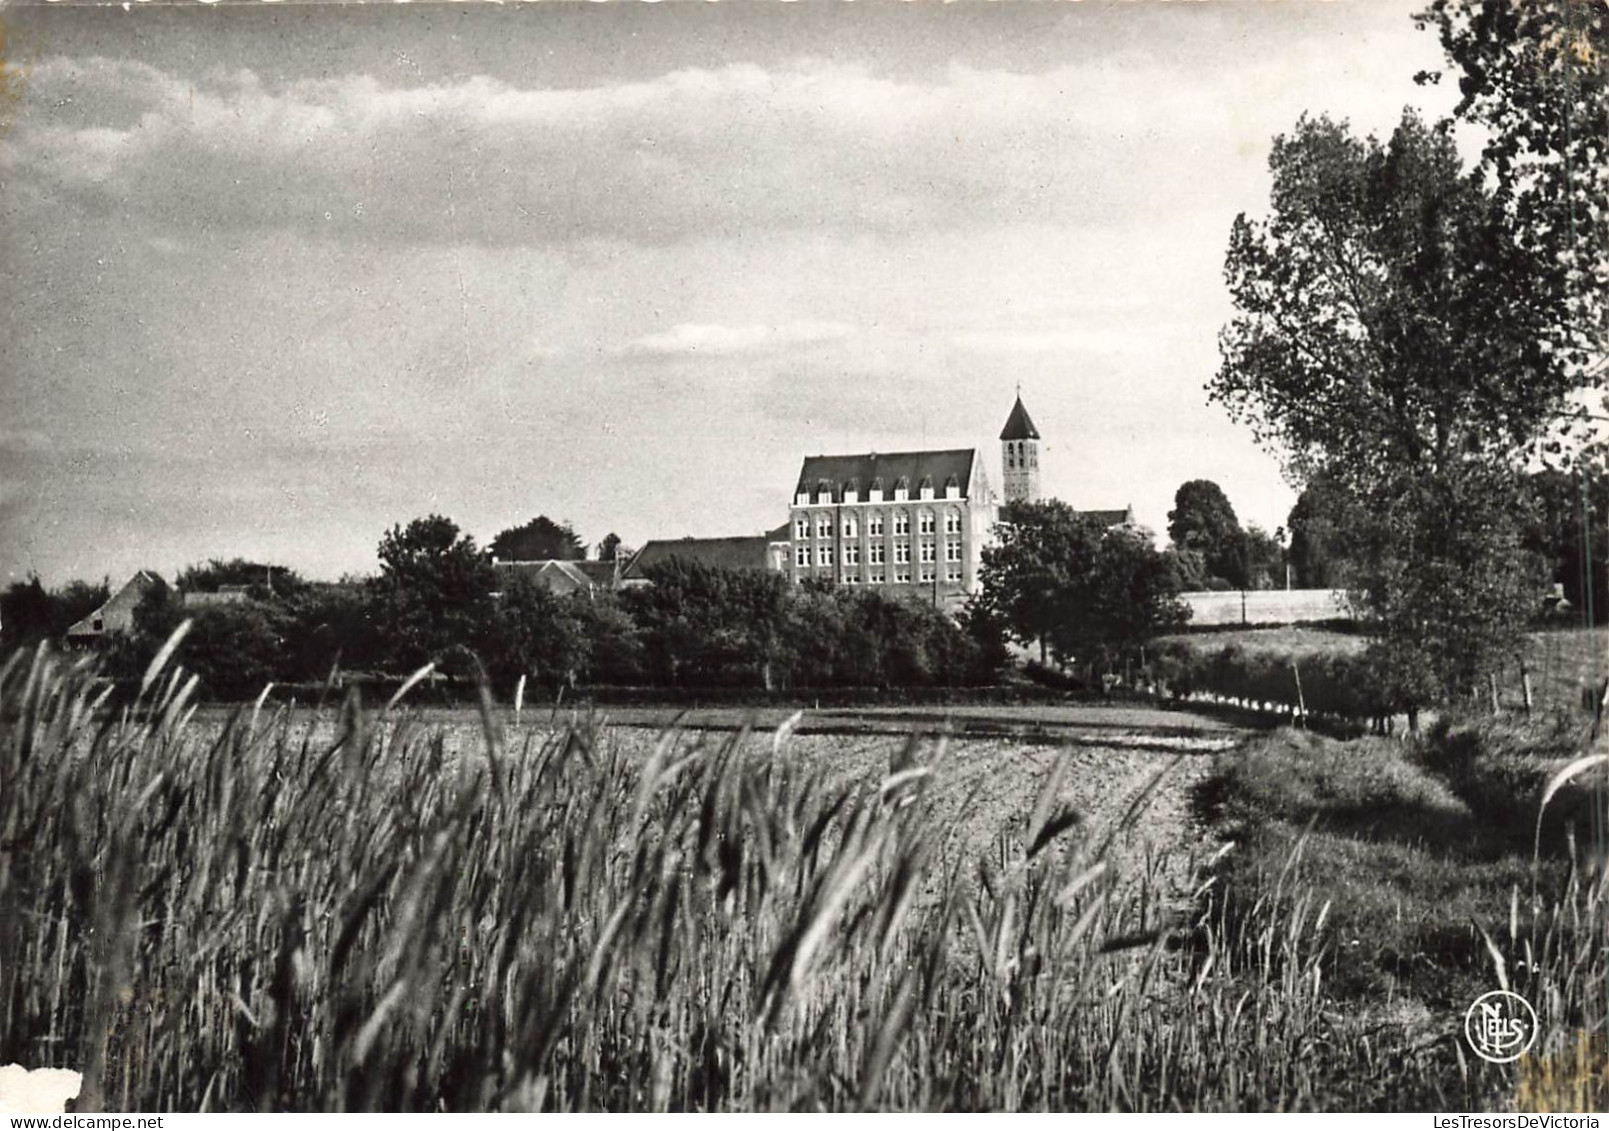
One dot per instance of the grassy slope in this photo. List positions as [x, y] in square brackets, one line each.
[1415, 864]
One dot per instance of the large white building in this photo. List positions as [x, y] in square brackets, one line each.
[904, 522]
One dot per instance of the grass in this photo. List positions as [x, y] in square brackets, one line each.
[1434, 894]
[259, 915]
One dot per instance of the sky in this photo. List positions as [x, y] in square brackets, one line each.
[280, 277]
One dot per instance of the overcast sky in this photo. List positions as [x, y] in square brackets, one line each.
[278, 278]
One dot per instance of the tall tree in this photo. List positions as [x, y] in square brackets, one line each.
[433, 592]
[609, 548]
[1532, 75]
[1393, 333]
[1082, 590]
[541, 539]
[1317, 525]
[1202, 521]
[1031, 574]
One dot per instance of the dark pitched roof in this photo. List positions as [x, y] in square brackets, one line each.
[782, 533]
[1112, 518]
[913, 468]
[583, 574]
[727, 553]
[1019, 425]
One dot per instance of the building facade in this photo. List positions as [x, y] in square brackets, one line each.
[905, 523]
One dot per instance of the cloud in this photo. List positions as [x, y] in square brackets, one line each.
[713, 339]
[725, 151]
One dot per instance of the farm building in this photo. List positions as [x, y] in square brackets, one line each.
[761, 552]
[117, 614]
[561, 576]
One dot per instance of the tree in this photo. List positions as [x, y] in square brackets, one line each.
[29, 613]
[1080, 588]
[1532, 75]
[1261, 558]
[1317, 525]
[538, 634]
[261, 579]
[1203, 521]
[540, 539]
[1570, 531]
[433, 592]
[1032, 575]
[609, 548]
[1393, 333]
[1132, 597]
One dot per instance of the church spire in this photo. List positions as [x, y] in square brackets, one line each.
[1019, 455]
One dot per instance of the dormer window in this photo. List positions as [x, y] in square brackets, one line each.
[802, 499]
[927, 488]
[823, 491]
[952, 488]
[876, 493]
[852, 491]
[902, 490]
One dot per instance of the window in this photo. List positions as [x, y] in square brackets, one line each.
[876, 494]
[823, 491]
[952, 488]
[952, 574]
[802, 498]
[801, 527]
[902, 552]
[929, 552]
[875, 576]
[902, 491]
[927, 488]
[824, 526]
[824, 555]
[902, 576]
[925, 522]
[852, 491]
[1010, 460]
[874, 553]
[851, 576]
[902, 523]
[852, 554]
[952, 550]
[851, 527]
[801, 557]
[874, 524]
[952, 522]
[927, 573]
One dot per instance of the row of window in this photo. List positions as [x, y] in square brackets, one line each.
[926, 552]
[823, 494]
[925, 522]
[876, 575]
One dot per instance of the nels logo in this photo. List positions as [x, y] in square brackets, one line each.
[1501, 1026]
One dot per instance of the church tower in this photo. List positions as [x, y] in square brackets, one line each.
[1019, 455]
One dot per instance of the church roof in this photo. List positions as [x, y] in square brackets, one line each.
[1019, 425]
[889, 470]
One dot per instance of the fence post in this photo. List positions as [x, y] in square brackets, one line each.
[1301, 700]
[1491, 682]
[1525, 686]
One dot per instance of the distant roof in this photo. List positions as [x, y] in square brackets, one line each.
[780, 534]
[123, 601]
[889, 470]
[726, 553]
[583, 573]
[1019, 425]
[1112, 518]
